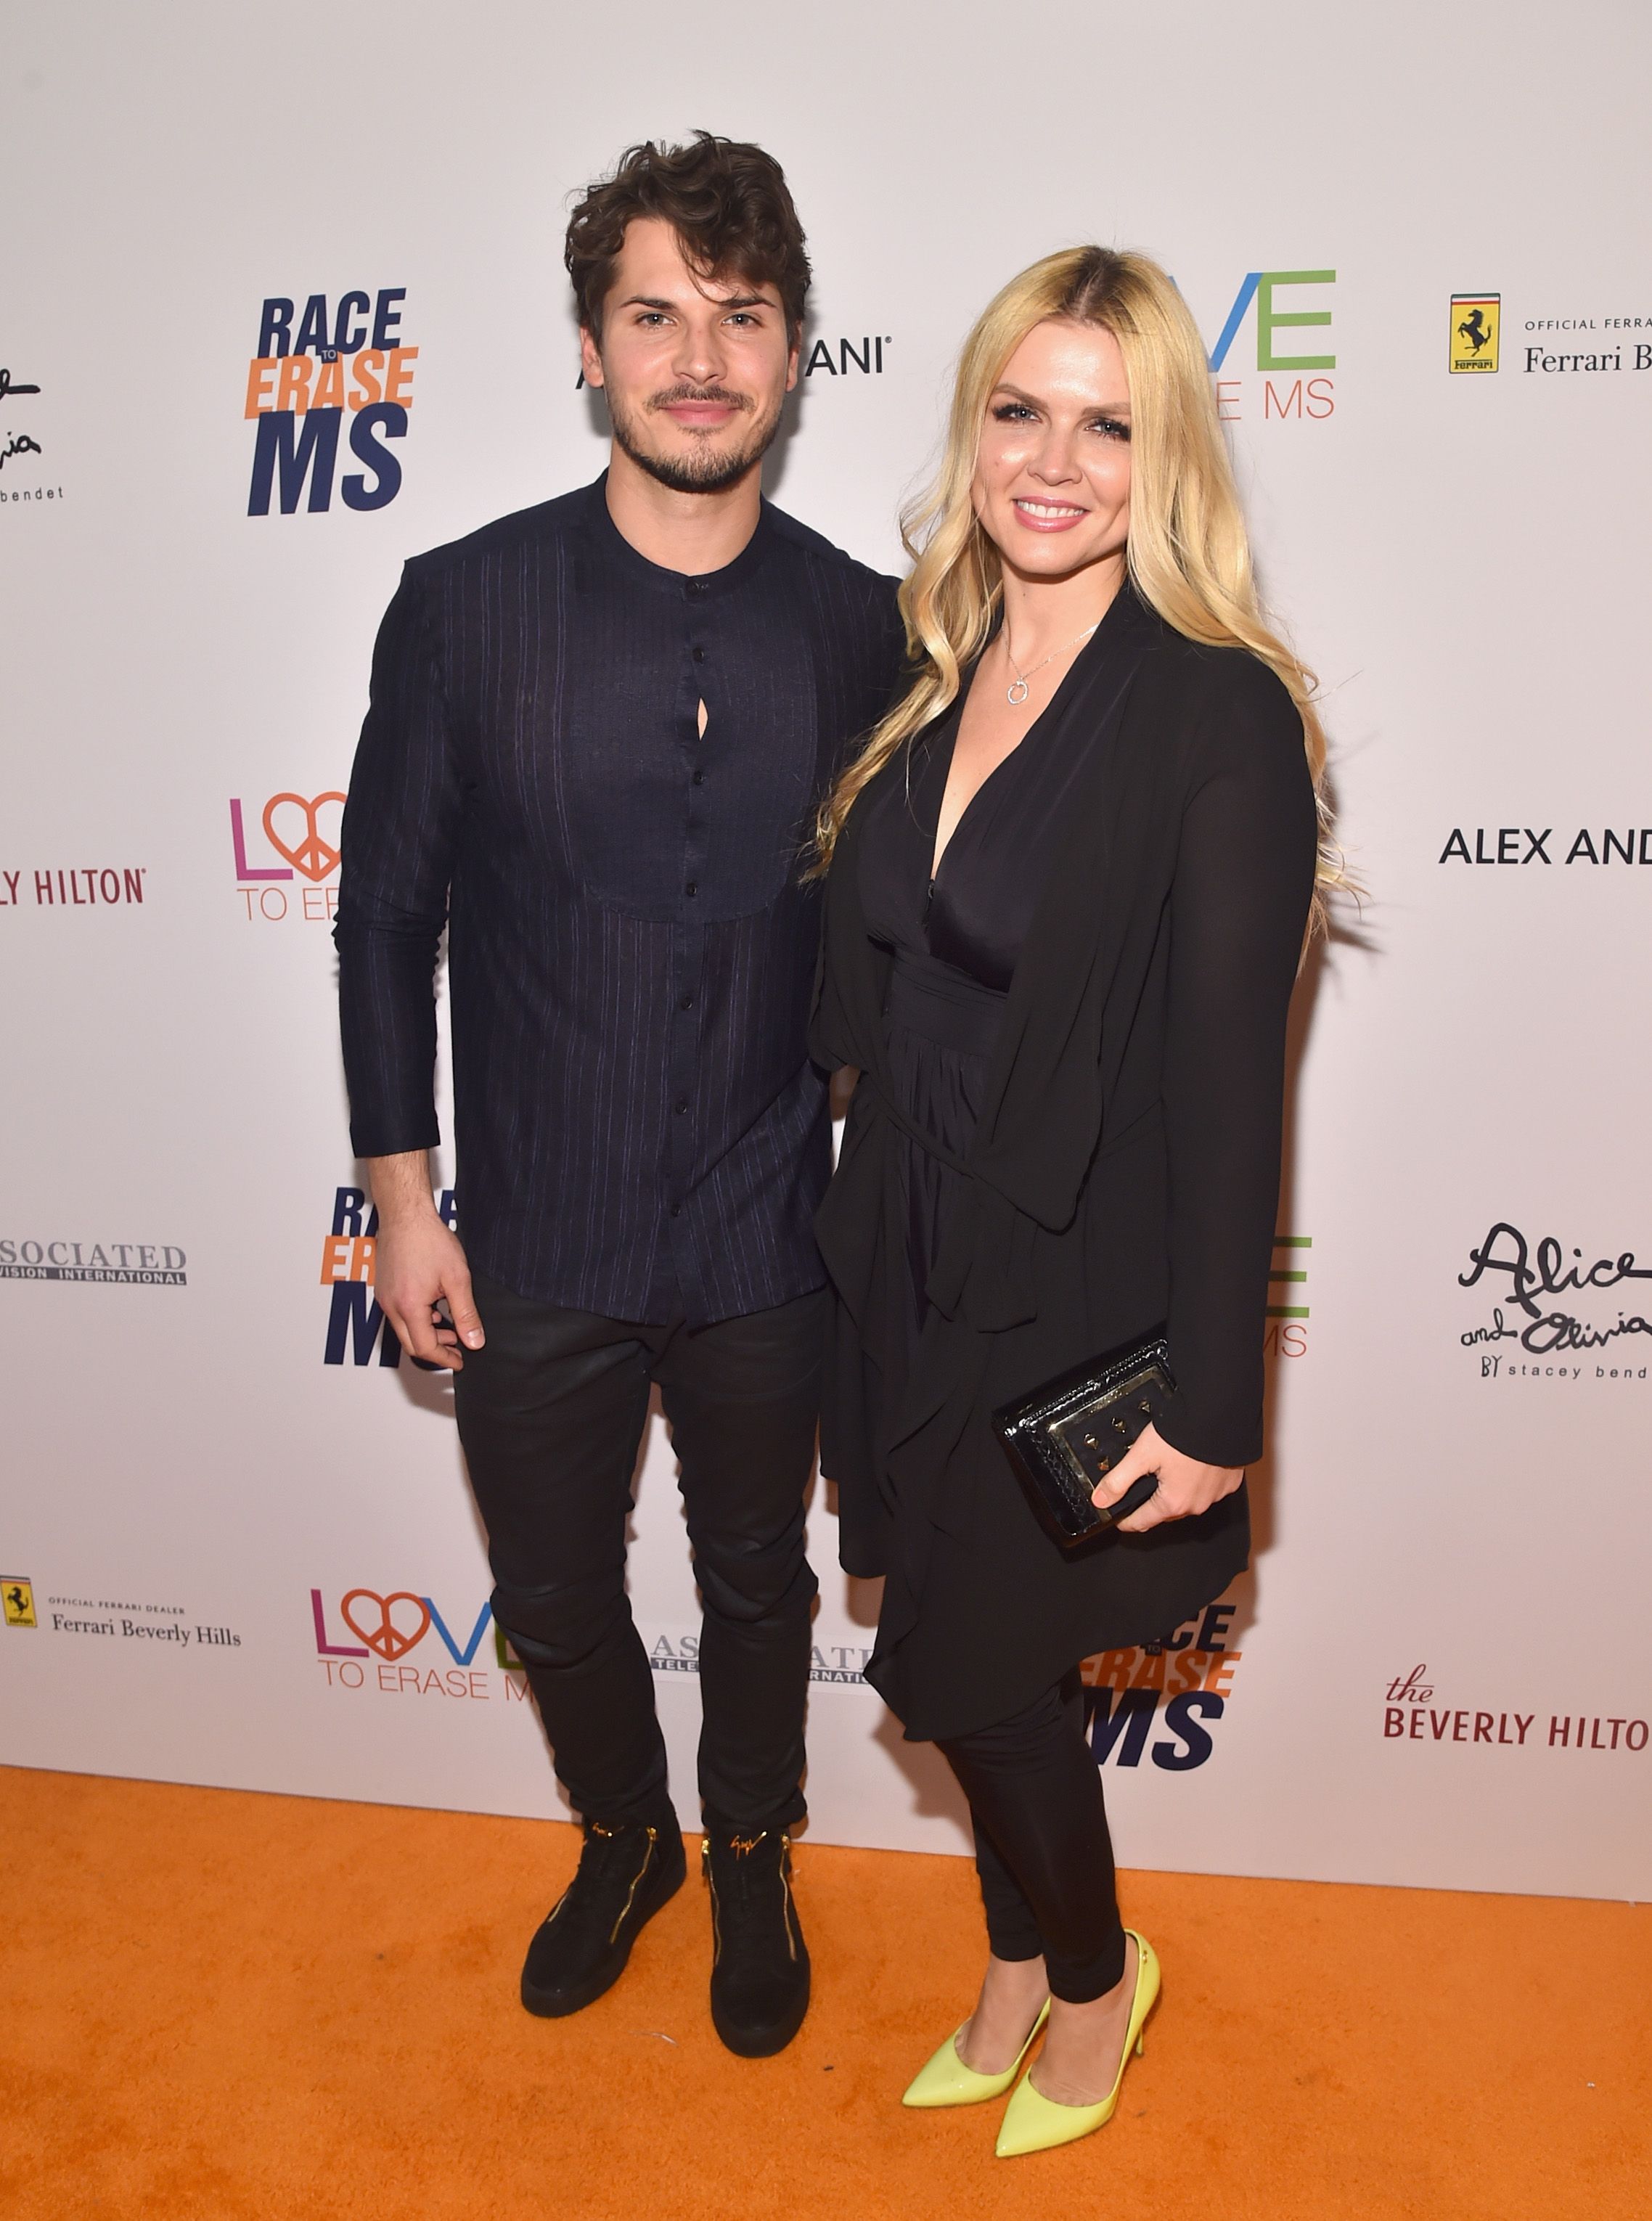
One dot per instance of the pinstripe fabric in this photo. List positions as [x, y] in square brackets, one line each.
[638, 1127]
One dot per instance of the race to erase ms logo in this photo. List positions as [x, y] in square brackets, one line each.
[302, 831]
[1294, 383]
[315, 371]
[1189, 1673]
[356, 1327]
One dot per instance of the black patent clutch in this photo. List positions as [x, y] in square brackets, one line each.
[1066, 1437]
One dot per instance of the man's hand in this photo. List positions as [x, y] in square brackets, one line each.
[418, 1262]
[1186, 1487]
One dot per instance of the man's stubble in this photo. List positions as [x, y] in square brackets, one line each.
[704, 469]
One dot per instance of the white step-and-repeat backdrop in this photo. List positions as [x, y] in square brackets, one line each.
[236, 1538]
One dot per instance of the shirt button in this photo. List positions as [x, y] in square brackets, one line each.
[698, 779]
[686, 1003]
[677, 1211]
[682, 1104]
[696, 585]
[692, 888]
[699, 655]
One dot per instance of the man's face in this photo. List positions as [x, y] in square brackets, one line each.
[695, 370]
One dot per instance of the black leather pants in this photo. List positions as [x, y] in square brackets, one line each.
[1042, 1847]
[551, 1414]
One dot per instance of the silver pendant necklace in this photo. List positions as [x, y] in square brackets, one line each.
[1018, 692]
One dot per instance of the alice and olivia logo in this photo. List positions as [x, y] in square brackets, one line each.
[1189, 1673]
[304, 830]
[1410, 1715]
[356, 1324]
[18, 446]
[313, 371]
[368, 1640]
[1540, 1283]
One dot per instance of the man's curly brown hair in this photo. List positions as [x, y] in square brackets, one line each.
[728, 202]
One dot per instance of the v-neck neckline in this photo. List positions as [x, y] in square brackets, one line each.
[956, 720]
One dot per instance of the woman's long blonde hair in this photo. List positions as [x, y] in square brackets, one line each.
[1189, 556]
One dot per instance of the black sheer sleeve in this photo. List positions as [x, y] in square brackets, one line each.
[1238, 905]
[400, 832]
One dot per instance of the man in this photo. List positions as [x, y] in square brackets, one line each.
[597, 734]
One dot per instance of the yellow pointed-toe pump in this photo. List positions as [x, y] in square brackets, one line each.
[1034, 2123]
[945, 2080]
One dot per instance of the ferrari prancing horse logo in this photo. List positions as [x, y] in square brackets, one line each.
[18, 1596]
[1474, 321]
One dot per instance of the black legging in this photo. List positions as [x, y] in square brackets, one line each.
[1042, 1850]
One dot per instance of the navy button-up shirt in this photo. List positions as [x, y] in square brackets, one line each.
[639, 1130]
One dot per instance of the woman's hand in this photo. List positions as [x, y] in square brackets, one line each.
[1186, 1487]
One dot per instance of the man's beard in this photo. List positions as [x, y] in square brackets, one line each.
[702, 470]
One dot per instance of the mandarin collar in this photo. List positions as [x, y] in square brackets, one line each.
[699, 586]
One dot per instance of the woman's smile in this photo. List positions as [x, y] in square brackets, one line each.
[1047, 516]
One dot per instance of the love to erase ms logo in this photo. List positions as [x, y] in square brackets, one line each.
[1273, 302]
[366, 1638]
[314, 372]
[302, 830]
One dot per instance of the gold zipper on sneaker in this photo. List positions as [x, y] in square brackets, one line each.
[785, 1886]
[630, 1894]
[705, 1876]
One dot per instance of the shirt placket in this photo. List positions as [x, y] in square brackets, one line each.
[688, 945]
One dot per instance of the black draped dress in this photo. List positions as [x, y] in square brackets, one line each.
[955, 938]
[1067, 1128]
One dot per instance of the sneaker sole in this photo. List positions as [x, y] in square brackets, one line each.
[557, 2004]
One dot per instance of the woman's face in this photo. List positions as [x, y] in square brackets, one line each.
[1053, 477]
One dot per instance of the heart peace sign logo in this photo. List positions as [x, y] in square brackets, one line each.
[383, 1634]
[310, 854]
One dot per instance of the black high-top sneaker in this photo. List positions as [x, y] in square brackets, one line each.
[759, 1964]
[624, 1876]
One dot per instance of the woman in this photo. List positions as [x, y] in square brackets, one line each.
[1069, 880]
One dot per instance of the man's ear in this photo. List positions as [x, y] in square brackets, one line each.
[791, 364]
[591, 360]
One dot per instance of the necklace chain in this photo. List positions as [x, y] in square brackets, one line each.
[1018, 691]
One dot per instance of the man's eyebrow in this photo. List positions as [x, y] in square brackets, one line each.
[718, 301]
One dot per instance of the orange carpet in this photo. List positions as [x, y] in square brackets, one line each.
[231, 2006]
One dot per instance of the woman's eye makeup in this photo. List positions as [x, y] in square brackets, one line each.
[1018, 412]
